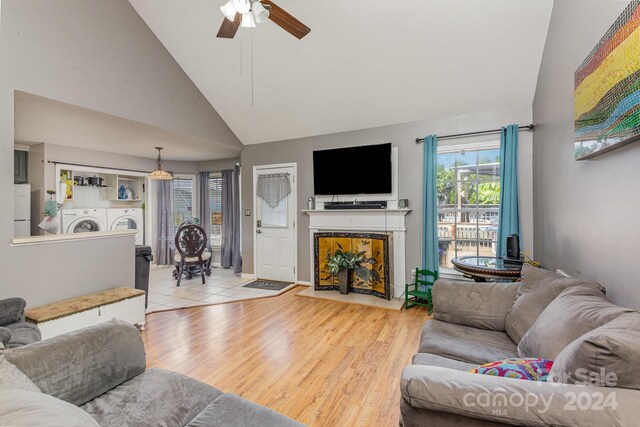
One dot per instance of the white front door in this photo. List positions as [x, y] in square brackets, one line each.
[275, 248]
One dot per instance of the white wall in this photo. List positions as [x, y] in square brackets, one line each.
[98, 55]
[586, 212]
[410, 171]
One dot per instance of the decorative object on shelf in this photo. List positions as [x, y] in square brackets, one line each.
[122, 193]
[69, 189]
[248, 13]
[311, 203]
[403, 204]
[159, 173]
[129, 194]
[605, 89]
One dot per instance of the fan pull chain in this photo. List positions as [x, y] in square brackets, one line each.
[252, 97]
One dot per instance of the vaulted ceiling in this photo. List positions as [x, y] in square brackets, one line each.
[364, 64]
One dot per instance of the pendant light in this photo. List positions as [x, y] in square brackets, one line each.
[159, 173]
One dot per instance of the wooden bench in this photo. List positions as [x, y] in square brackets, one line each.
[76, 313]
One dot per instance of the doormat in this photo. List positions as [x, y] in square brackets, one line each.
[267, 285]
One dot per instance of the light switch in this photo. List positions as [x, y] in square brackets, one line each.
[247, 212]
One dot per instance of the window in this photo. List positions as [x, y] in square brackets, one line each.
[182, 200]
[215, 204]
[468, 191]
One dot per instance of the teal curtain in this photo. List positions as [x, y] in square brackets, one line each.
[430, 259]
[509, 205]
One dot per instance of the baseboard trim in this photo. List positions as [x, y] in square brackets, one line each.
[248, 276]
[303, 283]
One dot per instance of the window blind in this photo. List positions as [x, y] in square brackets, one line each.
[182, 199]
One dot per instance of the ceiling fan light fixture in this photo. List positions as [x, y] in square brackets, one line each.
[242, 6]
[259, 12]
[228, 10]
[248, 21]
[159, 173]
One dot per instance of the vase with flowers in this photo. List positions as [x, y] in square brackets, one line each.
[342, 264]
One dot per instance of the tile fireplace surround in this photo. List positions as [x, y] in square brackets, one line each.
[390, 221]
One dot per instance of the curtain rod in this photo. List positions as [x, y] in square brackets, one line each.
[482, 132]
[92, 166]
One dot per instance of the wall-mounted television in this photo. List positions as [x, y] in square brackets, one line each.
[353, 170]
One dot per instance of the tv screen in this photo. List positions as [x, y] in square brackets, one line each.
[352, 170]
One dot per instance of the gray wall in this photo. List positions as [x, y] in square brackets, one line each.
[410, 174]
[98, 55]
[586, 213]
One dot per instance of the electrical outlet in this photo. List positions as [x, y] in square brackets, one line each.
[247, 212]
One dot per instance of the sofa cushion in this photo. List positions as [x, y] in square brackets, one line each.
[481, 305]
[81, 365]
[443, 362]
[26, 408]
[13, 378]
[576, 311]
[606, 356]
[538, 288]
[532, 369]
[11, 310]
[230, 410]
[464, 343]
[154, 398]
[23, 333]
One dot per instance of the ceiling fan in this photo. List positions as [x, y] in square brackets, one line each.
[248, 13]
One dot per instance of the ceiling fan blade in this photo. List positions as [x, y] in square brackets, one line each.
[286, 21]
[229, 28]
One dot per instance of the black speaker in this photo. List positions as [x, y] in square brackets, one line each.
[513, 247]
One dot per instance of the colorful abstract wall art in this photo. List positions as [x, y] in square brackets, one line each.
[607, 89]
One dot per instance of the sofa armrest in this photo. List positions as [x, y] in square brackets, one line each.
[79, 366]
[514, 401]
[481, 305]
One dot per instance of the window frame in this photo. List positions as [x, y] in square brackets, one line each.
[455, 148]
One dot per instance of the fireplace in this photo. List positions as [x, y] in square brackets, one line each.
[373, 277]
[388, 223]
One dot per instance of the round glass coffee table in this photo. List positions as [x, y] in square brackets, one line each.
[483, 268]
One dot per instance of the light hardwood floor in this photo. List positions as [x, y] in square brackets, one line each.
[324, 363]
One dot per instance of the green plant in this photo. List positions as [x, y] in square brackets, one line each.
[341, 260]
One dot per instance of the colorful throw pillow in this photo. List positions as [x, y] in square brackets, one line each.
[523, 369]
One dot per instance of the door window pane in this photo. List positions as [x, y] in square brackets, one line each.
[274, 217]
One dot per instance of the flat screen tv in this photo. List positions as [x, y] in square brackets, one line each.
[352, 170]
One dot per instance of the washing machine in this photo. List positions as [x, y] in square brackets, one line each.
[127, 219]
[83, 220]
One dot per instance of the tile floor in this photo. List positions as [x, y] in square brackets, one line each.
[221, 286]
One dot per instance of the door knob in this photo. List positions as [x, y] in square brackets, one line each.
[259, 231]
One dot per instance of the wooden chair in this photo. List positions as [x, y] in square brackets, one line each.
[191, 242]
[419, 292]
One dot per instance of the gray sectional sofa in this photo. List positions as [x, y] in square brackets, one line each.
[595, 379]
[98, 376]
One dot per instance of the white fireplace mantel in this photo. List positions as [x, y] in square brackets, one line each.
[366, 220]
